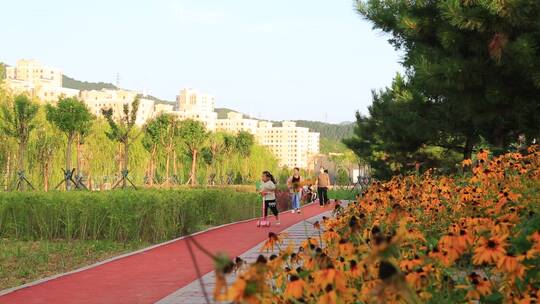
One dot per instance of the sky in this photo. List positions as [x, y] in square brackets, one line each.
[279, 59]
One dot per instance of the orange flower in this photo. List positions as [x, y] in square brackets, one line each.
[330, 236]
[466, 162]
[410, 264]
[328, 297]
[273, 240]
[295, 288]
[511, 266]
[481, 287]
[489, 250]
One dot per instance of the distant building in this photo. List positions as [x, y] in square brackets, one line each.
[116, 99]
[160, 108]
[197, 106]
[38, 81]
[292, 145]
[235, 122]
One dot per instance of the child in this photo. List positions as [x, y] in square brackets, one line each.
[268, 189]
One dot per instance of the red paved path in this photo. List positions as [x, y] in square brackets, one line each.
[149, 276]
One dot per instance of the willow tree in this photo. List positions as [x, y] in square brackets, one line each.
[193, 136]
[46, 145]
[154, 132]
[170, 139]
[72, 117]
[18, 120]
[122, 130]
[243, 144]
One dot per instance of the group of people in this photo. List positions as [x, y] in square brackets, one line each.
[297, 186]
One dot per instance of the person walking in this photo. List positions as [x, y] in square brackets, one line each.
[323, 182]
[294, 184]
[268, 191]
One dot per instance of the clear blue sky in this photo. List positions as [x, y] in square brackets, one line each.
[281, 59]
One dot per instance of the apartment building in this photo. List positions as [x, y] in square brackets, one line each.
[38, 81]
[292, 145]
[96, 100]
[235, 122]
[197, 106]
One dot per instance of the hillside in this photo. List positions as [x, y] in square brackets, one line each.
[71, 83]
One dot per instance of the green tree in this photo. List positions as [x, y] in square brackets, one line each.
[169, 142]
[18, 122]
[342, 177]
[71, 116]
[152, 139]
[194, 136]
[214, 152]
[123, 130]
[47, 144]
[243, 143]
[476, 63]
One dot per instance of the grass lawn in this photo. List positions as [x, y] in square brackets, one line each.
[25, 261]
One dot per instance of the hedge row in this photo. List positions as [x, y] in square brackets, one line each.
[145, 215]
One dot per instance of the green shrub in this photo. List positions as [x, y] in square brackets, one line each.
[342, 194]
[144, 215]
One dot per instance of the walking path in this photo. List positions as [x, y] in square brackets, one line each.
[193, 293]
[160, 272]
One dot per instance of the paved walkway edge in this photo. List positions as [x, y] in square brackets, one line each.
[53, 277]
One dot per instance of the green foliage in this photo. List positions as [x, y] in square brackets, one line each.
[332, 146]
[472, 74]
[18, 118]
[155, 131]
[328, 130]
[68, 82]
[243, 143]
[70, 116]
[342, 177]
[342, 194]
[193, 134]
[2, 72]
[121, 128]
[143, 215]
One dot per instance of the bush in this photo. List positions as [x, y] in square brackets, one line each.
[144, 215]
[342, 194]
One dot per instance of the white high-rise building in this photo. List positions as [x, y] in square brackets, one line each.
[235, 122]
[197, 106]
[116, 99]
[292, 145]
[36, 80]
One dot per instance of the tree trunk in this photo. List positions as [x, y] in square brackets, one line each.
[167, 165]
[68, 160]
[22, 149]
[193, 168]
[175, 167]
[467, 150]
[125, 163]
[79, 154]
[46, 175]
[152, 170]
[8, 171]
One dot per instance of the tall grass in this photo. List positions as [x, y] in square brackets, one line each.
[144, 215]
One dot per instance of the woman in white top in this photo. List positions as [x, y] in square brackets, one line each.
[268, 191]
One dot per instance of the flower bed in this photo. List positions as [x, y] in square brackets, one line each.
[414, 240]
